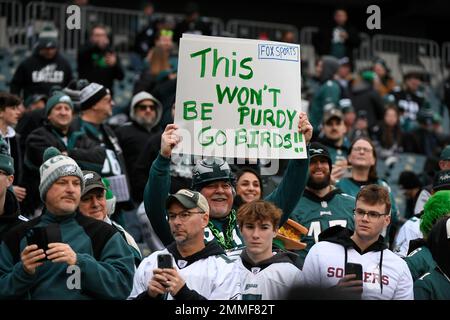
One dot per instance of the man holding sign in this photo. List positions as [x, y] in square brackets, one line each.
[235, 98]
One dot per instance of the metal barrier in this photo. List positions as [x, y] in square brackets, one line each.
[257, 29]
[445, 54]
[12, 32]
[409, 49]
[306, 34]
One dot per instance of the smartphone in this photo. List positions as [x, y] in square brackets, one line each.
[354, 268]
[37, 236]
[42, 236]
[165, 261]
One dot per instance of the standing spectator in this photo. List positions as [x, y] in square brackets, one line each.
[328, 94]
[435, 285]
[385, 275]
[263, 273]
[192, 23]
[409, 99]
[57, 132]
[145, 114]
[97, 61]
[322, 205]
[212, 177]
[200, 271]
[145, 39]
[103, 258]
[45, 69]
[9, 115]
[339, 40]
[9, 206]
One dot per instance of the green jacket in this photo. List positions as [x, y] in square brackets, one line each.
[318, 214]
[419, 262]
[285, 196]
[104, 261]
[329, 93]
[432, 286]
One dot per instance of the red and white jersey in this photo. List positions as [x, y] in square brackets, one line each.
[325, 266]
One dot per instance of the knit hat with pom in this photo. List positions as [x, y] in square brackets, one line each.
[437, 206]
[54, 167]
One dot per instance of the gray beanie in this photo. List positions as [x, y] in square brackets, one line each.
[54, 167]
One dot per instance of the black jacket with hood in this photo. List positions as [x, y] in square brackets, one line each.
[37, 75]
[11, 214]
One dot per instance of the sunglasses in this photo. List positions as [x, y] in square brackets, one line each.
[142, 107]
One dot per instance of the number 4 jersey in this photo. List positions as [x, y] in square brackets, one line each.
[318, 214]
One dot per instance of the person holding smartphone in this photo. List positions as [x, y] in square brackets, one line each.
[383, 274]
[187, 269]
[63, 254]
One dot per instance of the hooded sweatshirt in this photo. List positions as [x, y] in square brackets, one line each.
[435, 285]
[37, 75]
[385, 275]
[205, 273]
[269, 279]
[11, 215]
[328, 94]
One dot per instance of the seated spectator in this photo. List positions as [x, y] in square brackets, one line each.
[9, 207]
[145, 114]
[435, 284]
[91, 248]
[200, 270]
[384, 83]
[93, 203]
[419, 259]
[9, 116]
[57, 132]
[387, 135]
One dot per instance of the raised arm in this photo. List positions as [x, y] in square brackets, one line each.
[290, 190]
[158, 186]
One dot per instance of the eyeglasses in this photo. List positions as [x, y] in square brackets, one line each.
[359, 149]
[143, 107]
[183, 215]
[372, 215]
[4, 173]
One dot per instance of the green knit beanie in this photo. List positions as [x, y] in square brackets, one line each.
[437, 206]
[57, 97]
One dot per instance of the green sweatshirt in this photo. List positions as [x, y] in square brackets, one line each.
[285, 196]
[328, 93]
[419, 262]
[318, 214]
[104, 260]
[432, 286]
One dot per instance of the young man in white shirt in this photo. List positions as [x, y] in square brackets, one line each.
[384, 274]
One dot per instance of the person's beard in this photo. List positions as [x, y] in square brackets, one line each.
[318, 185]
